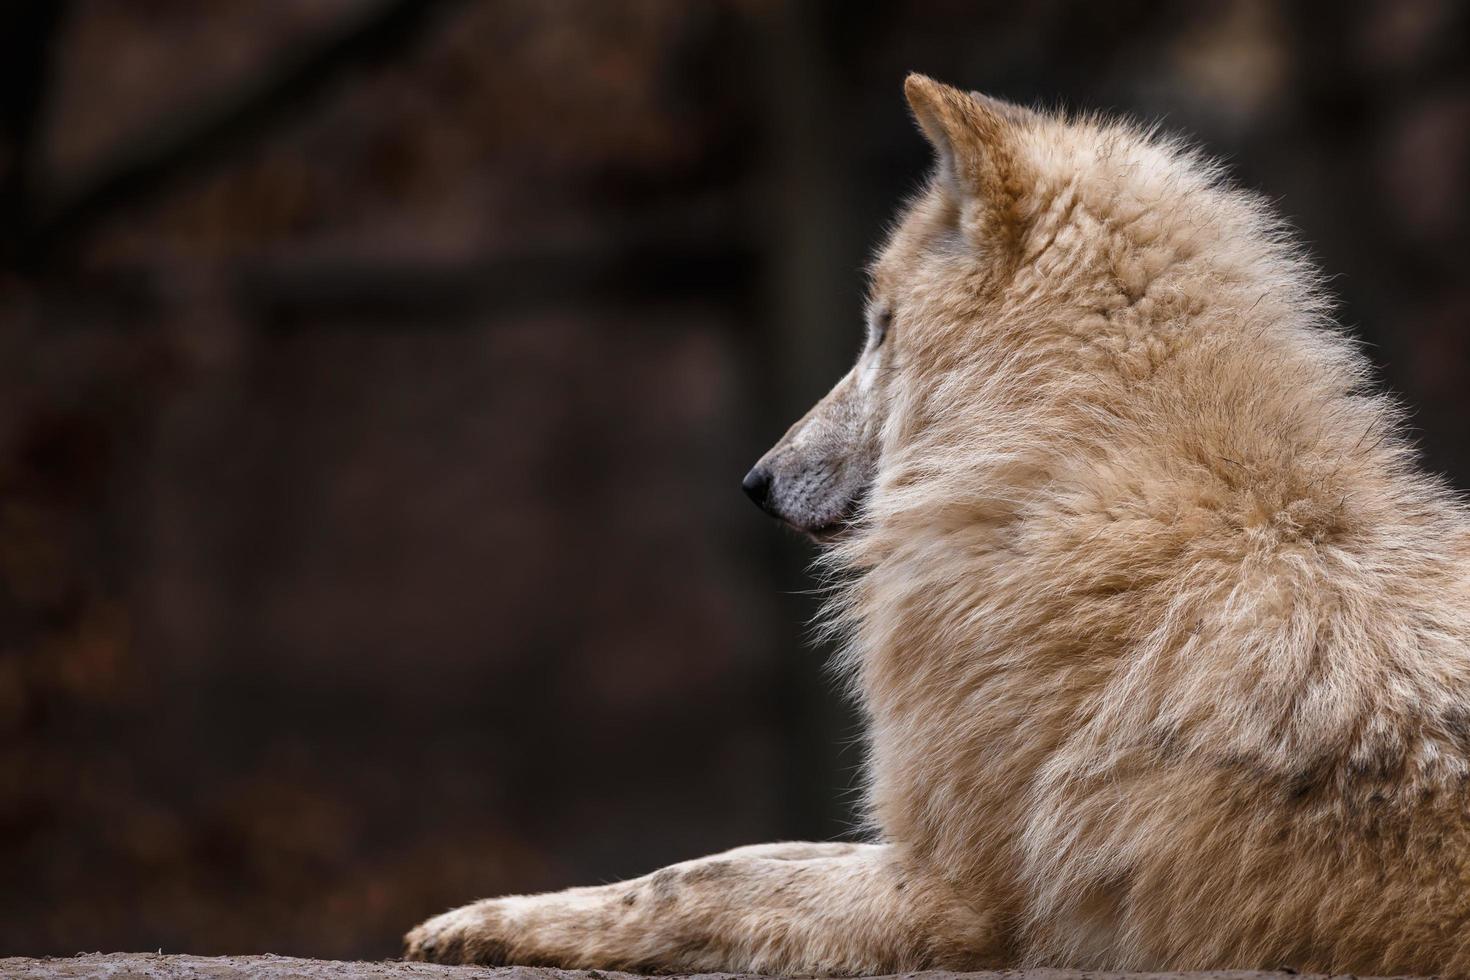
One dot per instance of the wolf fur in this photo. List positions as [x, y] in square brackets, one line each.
[1163, 637]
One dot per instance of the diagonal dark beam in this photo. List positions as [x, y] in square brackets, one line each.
[153, 164]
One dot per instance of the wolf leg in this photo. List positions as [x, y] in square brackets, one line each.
[777, 908]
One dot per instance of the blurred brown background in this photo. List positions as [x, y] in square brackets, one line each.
[376, 379]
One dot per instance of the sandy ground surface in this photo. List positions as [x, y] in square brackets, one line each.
[154, 966]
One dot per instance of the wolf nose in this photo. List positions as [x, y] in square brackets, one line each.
[757, 486]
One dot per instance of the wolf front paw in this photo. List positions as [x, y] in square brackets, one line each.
[472, 934]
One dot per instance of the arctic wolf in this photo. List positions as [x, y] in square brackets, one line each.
[1163, 638]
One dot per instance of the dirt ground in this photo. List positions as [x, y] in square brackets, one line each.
[154, 966]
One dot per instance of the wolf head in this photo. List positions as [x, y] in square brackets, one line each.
[946, 259]
[1049, 268]
[956, 238]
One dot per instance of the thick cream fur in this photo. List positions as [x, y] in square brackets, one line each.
[1163, 636]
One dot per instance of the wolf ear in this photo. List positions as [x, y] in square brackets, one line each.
[971, 135]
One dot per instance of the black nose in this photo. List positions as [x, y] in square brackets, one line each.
[757, 486]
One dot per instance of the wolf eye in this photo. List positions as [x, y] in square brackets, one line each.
[878, 326]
